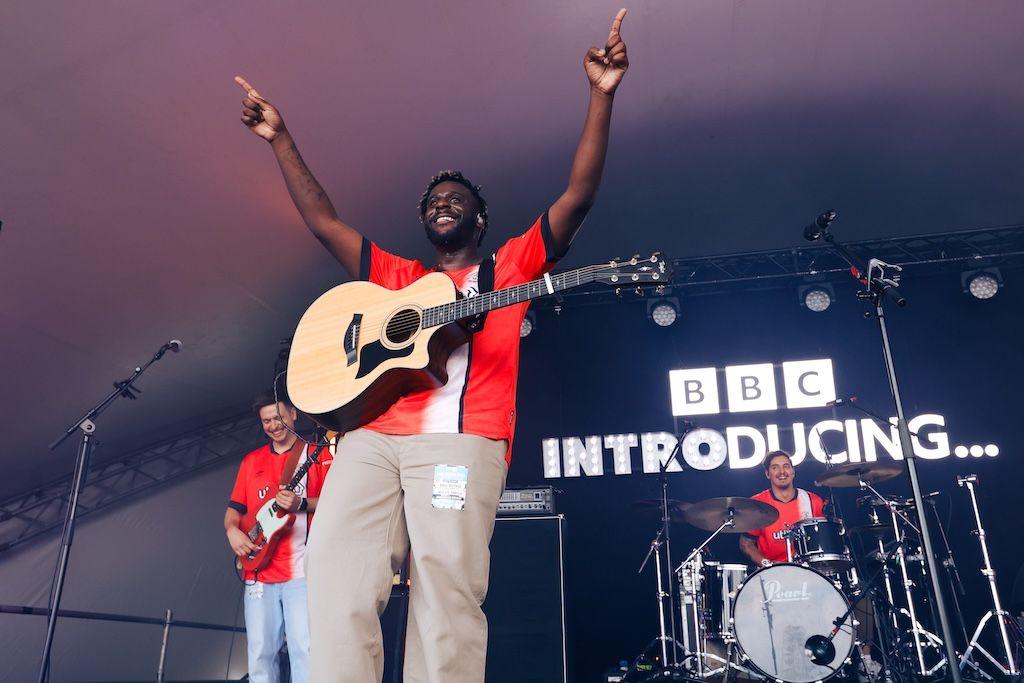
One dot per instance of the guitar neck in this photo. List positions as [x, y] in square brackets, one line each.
[466, 308]
[304, 467]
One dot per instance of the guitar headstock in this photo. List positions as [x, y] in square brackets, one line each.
[636, 271]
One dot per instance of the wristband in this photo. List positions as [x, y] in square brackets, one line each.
[764, 563]
[303, 504]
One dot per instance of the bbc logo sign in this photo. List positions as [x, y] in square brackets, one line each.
[750, 388]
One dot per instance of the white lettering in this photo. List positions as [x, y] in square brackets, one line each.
[750, 387]
[938, 439]
[622, 446]
[737, 460]
[656, 447]
[809, 383]
[694, 391]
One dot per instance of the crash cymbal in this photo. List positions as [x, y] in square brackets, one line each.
[747, 514]
[676, 508]
[851, 474]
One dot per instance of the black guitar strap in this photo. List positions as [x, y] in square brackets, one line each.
[485, 283]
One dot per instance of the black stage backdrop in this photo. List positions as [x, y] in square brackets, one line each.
[596, 370]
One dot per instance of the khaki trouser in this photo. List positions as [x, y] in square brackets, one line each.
[378, 501]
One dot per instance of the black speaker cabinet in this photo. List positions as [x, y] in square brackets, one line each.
[525, 604]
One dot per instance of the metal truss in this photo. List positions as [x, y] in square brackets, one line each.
[931, 254]
[115, 480]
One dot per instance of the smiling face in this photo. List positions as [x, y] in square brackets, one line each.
[278, 421]
[450, 216]
[780, 472]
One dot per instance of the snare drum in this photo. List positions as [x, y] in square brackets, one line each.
[820, 542]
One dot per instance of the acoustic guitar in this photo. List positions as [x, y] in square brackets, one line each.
[359, 347]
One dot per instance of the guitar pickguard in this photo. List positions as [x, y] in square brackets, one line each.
[375, 353]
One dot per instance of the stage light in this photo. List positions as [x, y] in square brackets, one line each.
[816, 297]
[664, 312]
[526, 327]
[982, 284]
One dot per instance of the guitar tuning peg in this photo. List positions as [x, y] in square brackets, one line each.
[618, 292]
[638, 291]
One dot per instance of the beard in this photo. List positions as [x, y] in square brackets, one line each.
[454, 238]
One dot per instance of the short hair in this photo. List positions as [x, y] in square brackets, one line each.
[267, 398]
[455, 177]
[767, 463]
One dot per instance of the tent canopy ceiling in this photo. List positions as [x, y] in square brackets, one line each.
[137, 208]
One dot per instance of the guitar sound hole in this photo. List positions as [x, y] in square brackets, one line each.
[402, 326]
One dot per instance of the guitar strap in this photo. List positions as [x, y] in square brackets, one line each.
[485, 283]
[294, 453]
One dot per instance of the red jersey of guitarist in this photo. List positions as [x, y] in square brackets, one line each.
[258, 481]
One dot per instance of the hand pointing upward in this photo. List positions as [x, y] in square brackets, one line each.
[259, 115]
[605, 67]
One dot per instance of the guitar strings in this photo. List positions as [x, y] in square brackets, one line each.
[412, 326]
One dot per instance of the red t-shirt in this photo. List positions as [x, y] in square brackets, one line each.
[769, 539]
[259, 477]
[479, 397]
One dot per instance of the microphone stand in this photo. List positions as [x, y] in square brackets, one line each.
[882, 282]
[87, 426]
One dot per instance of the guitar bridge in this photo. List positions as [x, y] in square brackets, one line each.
[351, 342]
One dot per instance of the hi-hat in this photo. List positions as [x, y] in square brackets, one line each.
[747, 514]
[851, 474]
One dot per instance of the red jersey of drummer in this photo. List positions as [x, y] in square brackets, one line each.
[770, 542]
[479, 397]
[258, 481]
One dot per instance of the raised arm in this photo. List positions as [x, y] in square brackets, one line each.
[315, 207]
[605, 68]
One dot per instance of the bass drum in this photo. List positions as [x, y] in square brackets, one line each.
[777, 610]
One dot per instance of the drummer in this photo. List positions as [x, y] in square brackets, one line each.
[768, 545]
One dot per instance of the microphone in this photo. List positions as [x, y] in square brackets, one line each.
[841, 402]
[174, 345]
[820, 649]
[819, 227]
[932, 494]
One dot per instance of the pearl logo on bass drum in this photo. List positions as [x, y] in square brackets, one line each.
[774, 592]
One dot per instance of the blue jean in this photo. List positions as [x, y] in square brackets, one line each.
[271, 611]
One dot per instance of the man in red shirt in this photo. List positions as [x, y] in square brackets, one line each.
[767, 546]
[275, 596]
[428, 473]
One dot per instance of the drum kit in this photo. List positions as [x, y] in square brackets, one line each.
[855, 606]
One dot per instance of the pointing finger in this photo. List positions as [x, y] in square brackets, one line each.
[616, 24]
[251, 91]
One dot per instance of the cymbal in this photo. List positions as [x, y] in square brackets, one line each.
[748, 514]
[850, 474]
[676, 508]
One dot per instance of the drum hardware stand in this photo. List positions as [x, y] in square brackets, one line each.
[1001, 615]
[819, 648]
[663, 537]
[663, 637]
[727, 664]
[881, 281]
[87, 426]
[952, 574]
